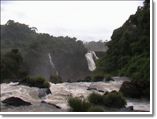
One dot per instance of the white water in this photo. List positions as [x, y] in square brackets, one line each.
[61, 92]
[26, 93]
[90, 60]
[52, 64]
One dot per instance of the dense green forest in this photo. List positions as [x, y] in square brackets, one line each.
[129, 52]
[32, 49]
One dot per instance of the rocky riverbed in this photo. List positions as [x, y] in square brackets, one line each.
[56, 101]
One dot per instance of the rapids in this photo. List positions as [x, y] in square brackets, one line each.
[60, 94]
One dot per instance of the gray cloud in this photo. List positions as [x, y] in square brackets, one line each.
[84, 20]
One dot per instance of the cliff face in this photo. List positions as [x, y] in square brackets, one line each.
[68, 55]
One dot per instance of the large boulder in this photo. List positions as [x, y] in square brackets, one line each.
[43, 92]
[16, 101]
[130, 90]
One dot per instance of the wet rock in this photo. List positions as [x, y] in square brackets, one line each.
[15, 101]
[129, 90]
[127, 109]
[101, 91]
[43, 92]
[95, 89]
[90, 88]
[51, 104]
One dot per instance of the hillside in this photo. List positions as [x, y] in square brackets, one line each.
[129, 50]
[67, 53]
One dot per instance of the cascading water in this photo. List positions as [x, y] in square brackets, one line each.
[52, 64]
[90, 60]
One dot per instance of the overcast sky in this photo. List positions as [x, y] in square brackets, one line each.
[85, 20]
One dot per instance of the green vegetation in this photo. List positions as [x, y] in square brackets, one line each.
[97, 103]
[67, 53]
[98, 78]
[113, 99]
[95, 98]
[78, 105]
[39, 82]
[12, 66]
[55, 79]
[129, 51]
[108, 78]
[96, 109]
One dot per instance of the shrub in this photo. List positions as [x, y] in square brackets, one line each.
[55, 79]
[78, 105]
[95, 98]
[39, 82]
[96, 109]
[98, 78]
[87, 79]
[108, 78]
[109, 99]
[114, 99]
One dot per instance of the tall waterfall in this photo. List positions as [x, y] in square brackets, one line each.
[90, 60]
[52, 64]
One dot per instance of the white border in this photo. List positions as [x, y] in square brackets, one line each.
[105, 113]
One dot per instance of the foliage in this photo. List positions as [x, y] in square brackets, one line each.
[98, 78]
[95, 98]
[129, 49]
[113, 99]
[86, 79]
[96, 109]
[39, 82]
[12, 67]
[55, 79]
[108, 78]
[78, 105]
[66, 52]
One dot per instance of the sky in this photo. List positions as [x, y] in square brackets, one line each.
[85, 20]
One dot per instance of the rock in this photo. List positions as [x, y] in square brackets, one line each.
[101, 91]
[90, 88]
[43, 92]
[130, 90]
[15, 101]
[127, 109]
[108, 79]
[95, 89]
[51, 104]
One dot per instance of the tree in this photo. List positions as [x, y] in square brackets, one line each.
[11, 66]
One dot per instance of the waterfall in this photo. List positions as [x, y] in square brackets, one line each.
[52, 64]
[90, 60]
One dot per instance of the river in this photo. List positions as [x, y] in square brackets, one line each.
[60, 94]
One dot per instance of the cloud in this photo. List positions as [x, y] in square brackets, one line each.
[86, 20]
